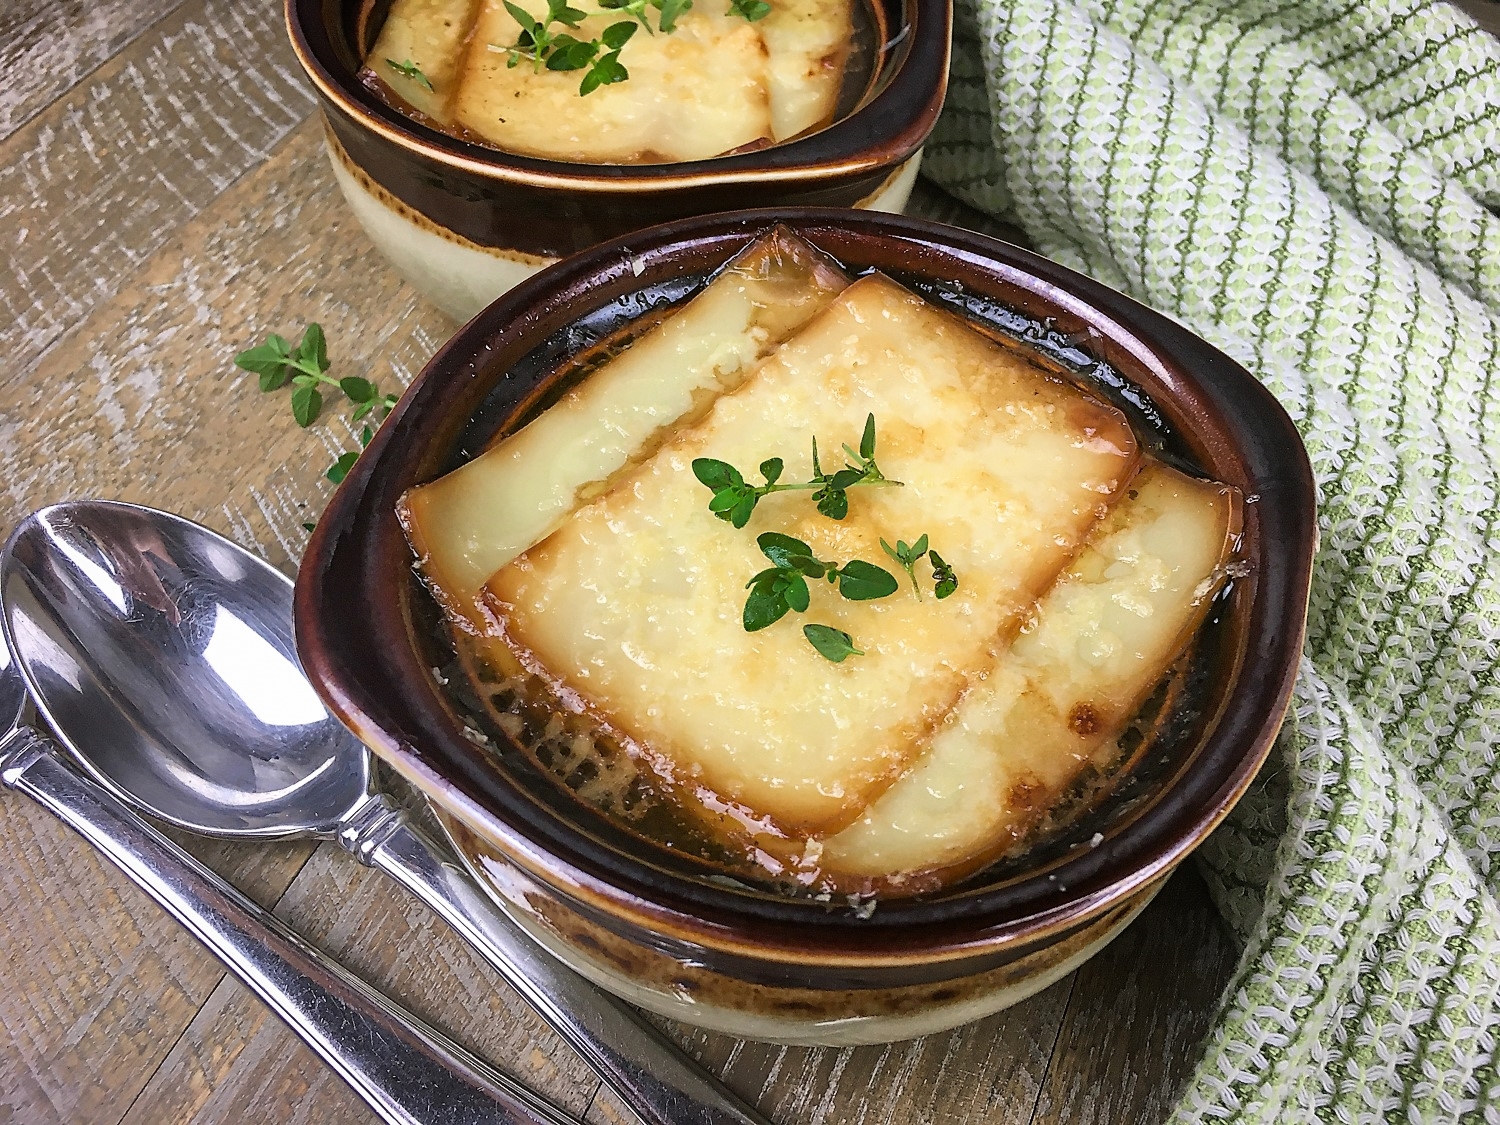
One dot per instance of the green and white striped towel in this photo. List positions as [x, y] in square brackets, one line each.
[1306, 184]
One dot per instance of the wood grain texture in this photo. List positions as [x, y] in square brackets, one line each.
[236, 1062]
[98, 982]
[93, 186]
[47, 46]
[1139, 1013]
[234, 1054]
[143, 401]
[987, 1071]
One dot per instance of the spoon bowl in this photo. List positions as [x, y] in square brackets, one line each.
[162, 655]
[124, 615]
[407, 1072]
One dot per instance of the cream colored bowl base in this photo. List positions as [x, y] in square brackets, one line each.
[855, 1031]
[794, 1016]
[459, 276]
[462, 277]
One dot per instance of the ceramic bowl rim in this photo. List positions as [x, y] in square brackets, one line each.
[360, 519]
[881, 133]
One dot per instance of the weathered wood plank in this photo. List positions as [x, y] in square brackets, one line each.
[1139, 1013]
[47, 46]
[427, 967]
[234, 1053]
[94, 185]
[120, 408]
[145, 387]
[988, 1071]
[236, 1063]
[98, 982]
[144, 403]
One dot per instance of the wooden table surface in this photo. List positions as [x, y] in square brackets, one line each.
[165, 203]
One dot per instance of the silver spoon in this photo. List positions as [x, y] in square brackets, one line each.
[162, 655]
[407, 1072]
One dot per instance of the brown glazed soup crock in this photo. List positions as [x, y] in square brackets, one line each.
[653, 924]
[463, 222]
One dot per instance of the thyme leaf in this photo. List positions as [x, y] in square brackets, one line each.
[735, 498]
[409, 69]
[833, 644]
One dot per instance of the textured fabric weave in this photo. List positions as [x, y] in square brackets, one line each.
[1309, 184]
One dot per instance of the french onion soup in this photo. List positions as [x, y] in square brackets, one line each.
[817, 581]
[641, 81]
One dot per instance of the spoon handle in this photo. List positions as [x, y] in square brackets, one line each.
[650, 1073]
[409, 1073]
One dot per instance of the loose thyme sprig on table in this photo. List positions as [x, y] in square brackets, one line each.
[340, 468]
[278, 363]
[735, 498]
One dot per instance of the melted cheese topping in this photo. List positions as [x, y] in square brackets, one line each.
[692, 94]
[807, 45]
[633, 605]
[1098, 643]
[470, 523]
[714, 84]
[431, 35]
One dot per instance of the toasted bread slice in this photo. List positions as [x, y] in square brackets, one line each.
[1100, 640]
[692, 94]
[633, 606]
[431, 35]
[807, 46]
[471, 522]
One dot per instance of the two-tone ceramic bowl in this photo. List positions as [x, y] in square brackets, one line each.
[644, 921]
[463, 222]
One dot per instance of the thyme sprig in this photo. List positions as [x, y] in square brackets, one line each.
[907, 555]
[340, 468]
[639, 10]
[782, 587]
[409, 69]
[833, 644]
[942, 575]
[735, 498]
[553, 49]
[278, 363]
